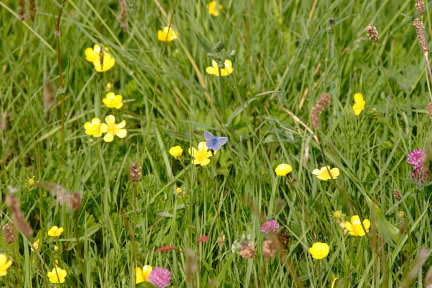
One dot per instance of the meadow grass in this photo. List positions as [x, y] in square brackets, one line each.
[287, 53]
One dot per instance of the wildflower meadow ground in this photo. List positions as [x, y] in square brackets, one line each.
[200, 143]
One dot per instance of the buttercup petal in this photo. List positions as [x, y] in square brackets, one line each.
[108, 137]
[122, 133]
[122, 124]
[110, 120]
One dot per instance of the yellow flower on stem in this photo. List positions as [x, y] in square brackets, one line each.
[323, 173]
[112, 129]
[202, 155]
[319, 250]
[36, 244]
[142, 274]
[220, 71]
[283, 169]
[57, 275]
[167, 34]
[101, 59]
[93, 128]
[113, 101]
[338, 214]
[214, 8]
[55, 231]
[175, 151]
[31, 181]
[359, 103]
[5, 263]
[355, 227]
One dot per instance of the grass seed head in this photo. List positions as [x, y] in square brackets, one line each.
[421, 35]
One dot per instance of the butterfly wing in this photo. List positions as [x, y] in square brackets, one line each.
[219, 141]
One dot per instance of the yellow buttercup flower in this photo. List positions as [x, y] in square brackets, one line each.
[224, 71]
[101, 59]
[213, 8]
[359, 103]
[108, 86]
[202, 155]
[5, 263]
[57, 275]
[142, 274]
[31, 181]
[323, 173]
[36, 244]
[93, 128]
[283, 169]
[355, 227]
[167, 34]
[113, 101]
[55, 231]
[112, 129]
[338, 214]
[179, 190]
[319, 250]
[175, 151]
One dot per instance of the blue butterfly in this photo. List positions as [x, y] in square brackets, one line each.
[213, 142]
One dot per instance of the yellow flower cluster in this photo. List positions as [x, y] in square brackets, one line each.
[95, 128]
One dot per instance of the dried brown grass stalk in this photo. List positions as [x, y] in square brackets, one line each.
[21, 9]
[49, 94]
[18, 216]
[63, 197]
[123, 16]
[32, 9]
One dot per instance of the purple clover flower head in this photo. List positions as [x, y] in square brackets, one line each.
[160, 277]
[269, 226]
[416, 158]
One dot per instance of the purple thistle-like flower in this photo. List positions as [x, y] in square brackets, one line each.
[269, 226]
[416, 158]
[160, 277]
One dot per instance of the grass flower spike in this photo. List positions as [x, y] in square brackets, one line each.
[101, 59]
[323, 173]
[112, 129]
[176, 151]
[142, 274]
[113, 101]
[214, 8]
[319, 250]
[57, 275]
[55, 231]
[167, 34]
[5, 263]
[93, 128]
[226, 70]
[355, 227]
[283, 169]
[202, 155]
[160, 277]
[359, 103]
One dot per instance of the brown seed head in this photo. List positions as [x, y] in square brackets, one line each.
[135, 172]
[421, 35]
[49, 94]
[372, 33]
[248, 251]
[32, 9]
[420, 7]
[123, 16]
[18, 216]
[74, 202]
[397, 195]
[9, 233]
[319, 107]
[429, 110]
[269, 249]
